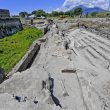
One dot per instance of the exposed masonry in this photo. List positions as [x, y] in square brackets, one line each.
[9, 26]
[4, 13]
[27, 59]
[61, 78]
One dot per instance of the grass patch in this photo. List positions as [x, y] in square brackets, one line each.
[13, 48]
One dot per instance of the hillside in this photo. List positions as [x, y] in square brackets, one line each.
[89, 10]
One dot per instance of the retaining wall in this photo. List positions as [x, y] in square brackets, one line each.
[9, 26]
[26, 61]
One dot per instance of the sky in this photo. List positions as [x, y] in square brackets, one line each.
[69, 4]
[16, 6]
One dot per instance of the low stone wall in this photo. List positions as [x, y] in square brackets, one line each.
[9, 26]
[43, 27]
[26, 61]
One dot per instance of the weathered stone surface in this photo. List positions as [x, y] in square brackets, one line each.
[9, 26]
[26, 61]
[2, 75]
[86, 88]
[44, 27]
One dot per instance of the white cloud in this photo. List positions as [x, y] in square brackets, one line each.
[69, 4]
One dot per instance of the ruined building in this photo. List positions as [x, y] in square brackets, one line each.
[8, 25]
[4, 13]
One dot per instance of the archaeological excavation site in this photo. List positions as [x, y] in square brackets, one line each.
[66, 69]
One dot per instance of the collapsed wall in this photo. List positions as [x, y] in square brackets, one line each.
[9, 26]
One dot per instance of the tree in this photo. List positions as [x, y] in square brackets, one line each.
[72, 13]
[68, 13]
[49, 14]
[55, 13]
[78, 11]
[40, 13]
[33, 12]
[23, 14]
[93, 14]
[87, 14]
[61, 13]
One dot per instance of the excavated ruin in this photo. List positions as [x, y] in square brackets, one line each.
[70, 72]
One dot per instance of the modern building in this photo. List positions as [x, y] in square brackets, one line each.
[41, 17]
[31, 17]
[4, 13]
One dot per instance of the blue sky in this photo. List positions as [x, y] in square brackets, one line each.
[15, 6]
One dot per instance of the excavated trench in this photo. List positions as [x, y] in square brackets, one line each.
[33, 58]
[29, 63]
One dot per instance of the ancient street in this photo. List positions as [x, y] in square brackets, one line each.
[70, 72]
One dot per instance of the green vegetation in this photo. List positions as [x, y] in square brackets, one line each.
[78, 11]
[13, 48]
[73, 13]
[93, 14]
[100, 14]
[39, 13]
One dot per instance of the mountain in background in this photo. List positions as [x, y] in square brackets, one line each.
[89, 10]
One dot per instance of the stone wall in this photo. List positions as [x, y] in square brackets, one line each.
[43, 27]
[9, 26]
[27, 59]
[4, 13]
